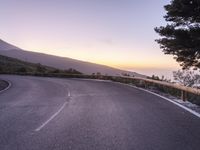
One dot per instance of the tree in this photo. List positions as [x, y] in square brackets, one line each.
[72, 71]
[40, 68]
[22, 69]
[181, 36]
[98, 73]
[186, 77]
[125, 74]
[154, 77]
[56, 71]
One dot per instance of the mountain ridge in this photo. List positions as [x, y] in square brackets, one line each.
[61, 62]
[7, 46]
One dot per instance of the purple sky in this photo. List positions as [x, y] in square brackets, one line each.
[119, 33]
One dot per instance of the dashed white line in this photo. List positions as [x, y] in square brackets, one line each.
[51, 118]
[69, 94]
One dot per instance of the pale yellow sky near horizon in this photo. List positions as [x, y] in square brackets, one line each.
[136, 59]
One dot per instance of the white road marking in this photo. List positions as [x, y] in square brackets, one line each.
[183, 107]
[51, 118]
[9, 85]
[69, 94]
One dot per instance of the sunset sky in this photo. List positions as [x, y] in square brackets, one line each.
[118, 33]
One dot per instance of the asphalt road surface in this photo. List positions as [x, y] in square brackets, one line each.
[61, 114]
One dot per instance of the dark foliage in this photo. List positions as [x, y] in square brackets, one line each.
[10, 65]
[181, 37]
[40, 68]
[72, 71]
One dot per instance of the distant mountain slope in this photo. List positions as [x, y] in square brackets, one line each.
[12, 65]
[6, 46]
[62, 62]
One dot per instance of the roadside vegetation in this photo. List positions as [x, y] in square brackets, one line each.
[10, 65]
[181, 38]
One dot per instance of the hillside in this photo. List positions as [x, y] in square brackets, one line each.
[6, 46]
[12, 65]
[62, 62]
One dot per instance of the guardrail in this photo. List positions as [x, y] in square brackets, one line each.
[144, 82]
[184, 90]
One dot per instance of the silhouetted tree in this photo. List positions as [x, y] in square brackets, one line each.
[154, 77]
[181, 37]
[40, 68]
[72, 71]
[22, 69]
[56, 71]
[98, 73]
[125, 74]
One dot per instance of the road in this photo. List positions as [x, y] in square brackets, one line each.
[61, 114]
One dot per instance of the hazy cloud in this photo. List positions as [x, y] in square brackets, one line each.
[107, 41]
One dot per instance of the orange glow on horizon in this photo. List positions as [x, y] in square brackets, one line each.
[122, 59]
[116, 62]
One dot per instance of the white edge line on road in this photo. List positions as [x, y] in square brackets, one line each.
[177, 104]
[9, 85]
[51, 118]
[185, 108]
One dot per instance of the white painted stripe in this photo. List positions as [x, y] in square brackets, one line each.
[69, 94]
[51, 118]
[185, 108]
[9, 85]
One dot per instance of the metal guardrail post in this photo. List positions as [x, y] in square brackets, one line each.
[183, 95]
[141, 82]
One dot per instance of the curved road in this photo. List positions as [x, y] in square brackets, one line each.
[62, 114]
